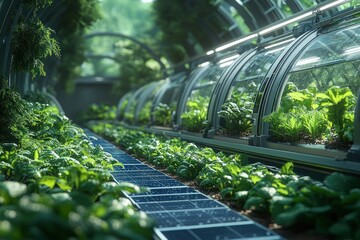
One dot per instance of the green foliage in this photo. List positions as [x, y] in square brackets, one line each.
[31, 43]
[163, 115]
[337, 101]
[137, 66]
[237, 114]
[37, 4]
[309, 116]
[98, 112]
[56, 184]
[144, 113]
[37, 97]
[13, 113]
[284, 127]
[194, 119]
[179, 22]
[78, 16]
[330, 208]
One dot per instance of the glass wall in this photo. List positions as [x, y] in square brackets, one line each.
[236, 112]
[165, 106]
[195, 114]
[318, 99]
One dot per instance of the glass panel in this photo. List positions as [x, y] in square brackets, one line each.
[236, 113]
[129, 115]
[145, 109]
[194, 117]
[123, 104]
[318, 103]
[164, 111]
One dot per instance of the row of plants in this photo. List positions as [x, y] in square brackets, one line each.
[55, 184]
[98, 112]
[297, 202]
[312, 116]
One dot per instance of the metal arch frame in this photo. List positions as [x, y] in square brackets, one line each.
[127, 96]
[221, 90]
[245, 14]
[187, 91]
[265, 100]
[142, 100]
[14, 7]
[141, 44]
[169, 85]
[133, 97]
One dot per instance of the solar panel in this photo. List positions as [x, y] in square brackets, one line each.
[132, 167]
[236, 231]
[175, 197]
[180, 205]
[196, 217]
[113, 150]
[171, 190]
[181, 212]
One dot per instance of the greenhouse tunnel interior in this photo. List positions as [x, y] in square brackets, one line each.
[274, 81]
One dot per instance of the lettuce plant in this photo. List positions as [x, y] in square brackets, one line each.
[194, 119]
[237, 114]
[163, 114]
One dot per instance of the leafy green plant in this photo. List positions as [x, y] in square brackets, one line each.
[31, 43]
[13, 112]
[194, 119]
[98, 112]
[37, 4]
[57, 184]
[144, 113]
[337, 101]
[163, 114]
[316, 124]
[311, 116]
[330, 208]
[237, 114]
[285, 127]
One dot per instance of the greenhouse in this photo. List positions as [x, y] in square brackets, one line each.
[179, 120]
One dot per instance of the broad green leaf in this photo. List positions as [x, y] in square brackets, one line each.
[49, 181]
[292, 215]
[287, 168]
[254, 203]
[241, 195]
[342, 183]
[36, 154]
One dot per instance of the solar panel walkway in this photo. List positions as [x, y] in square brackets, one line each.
[181, 212]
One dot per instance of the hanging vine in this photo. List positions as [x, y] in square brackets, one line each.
[31, 43]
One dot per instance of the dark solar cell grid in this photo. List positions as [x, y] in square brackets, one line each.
[160, 198]
[99, 142]
[126, 159]
[196, 217]
[113, 150]
[171, 190]
[181, 205]
[182, 213]
[141, 167]
[138, 173]
[241, 231]
[107, 145]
